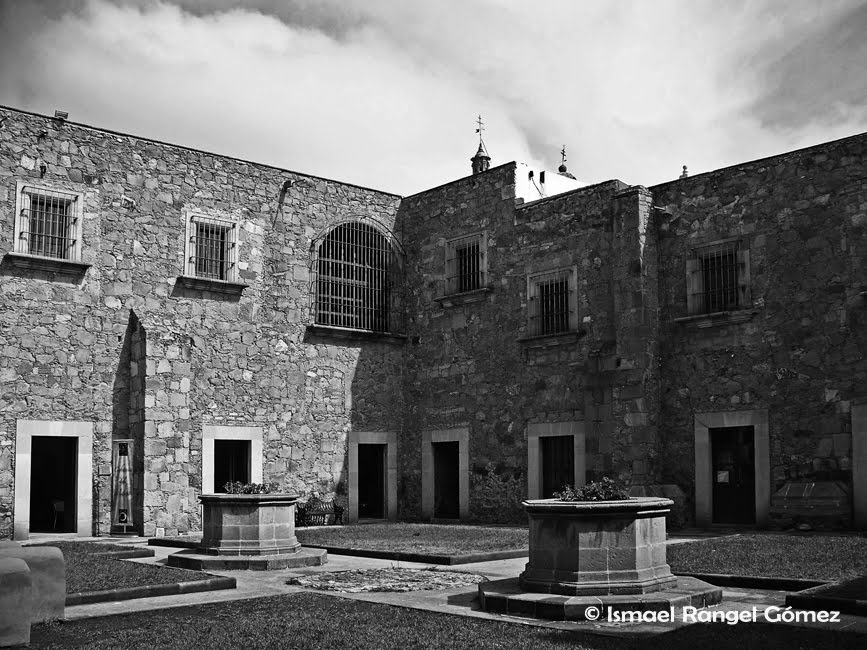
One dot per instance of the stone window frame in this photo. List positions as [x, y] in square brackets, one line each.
[389, 439]
[395, 332]
[696, 315]
[538, 430]
[703, 423]
[189, 277]
[25, 431]
[253, 434]
[573, 331]
[20, 255]
[429, 437]
[451, 295]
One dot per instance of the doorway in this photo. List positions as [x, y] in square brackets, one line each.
[53, 478]
[733, 474]
[231, 463]
[446, 457]
[371, 481]
[558, 463]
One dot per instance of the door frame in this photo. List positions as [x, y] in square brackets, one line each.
[25, 431]
[536, 430]
[211, 432]
[704, 422]
[389, 439]
[428, 438]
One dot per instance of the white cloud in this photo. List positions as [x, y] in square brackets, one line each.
[385, 95]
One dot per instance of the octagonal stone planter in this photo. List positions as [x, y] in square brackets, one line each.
[597, 547]
[248, 524]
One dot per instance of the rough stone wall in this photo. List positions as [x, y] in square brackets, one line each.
[468, 365]
[802, 353]
[209, 358]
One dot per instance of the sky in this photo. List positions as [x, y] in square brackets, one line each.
[385, 93]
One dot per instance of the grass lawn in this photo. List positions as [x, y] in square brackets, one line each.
[418, 538]
[321, 622]
[815, 557]
[87, 570]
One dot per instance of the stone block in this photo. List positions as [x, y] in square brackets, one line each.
[16, 602]
[48, 575]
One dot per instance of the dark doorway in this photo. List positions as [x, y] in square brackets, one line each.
[53, 477]
[446, 484]
[734, 475]
[231, 463]
[558, 463]
[371, 481]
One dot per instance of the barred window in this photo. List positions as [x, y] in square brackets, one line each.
[718, 278]
[212, 248]
[356, 270]
[48, 223]
[552, 302]
[465, 263]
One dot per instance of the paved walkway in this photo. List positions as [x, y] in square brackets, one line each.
[459, 601]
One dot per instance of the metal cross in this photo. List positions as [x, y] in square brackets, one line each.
[480, 128]
[563, 153]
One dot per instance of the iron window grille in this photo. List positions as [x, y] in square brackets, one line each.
[718, 278]
[356, 273]
[552, 303]
[465, 263]
[212, 250]
[48, 223]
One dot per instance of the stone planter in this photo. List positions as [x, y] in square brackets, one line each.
[248, 524]
[597, 547]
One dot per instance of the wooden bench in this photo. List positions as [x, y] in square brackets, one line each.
[315, 512]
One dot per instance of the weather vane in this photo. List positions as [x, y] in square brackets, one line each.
[563, 154]
[480, 126]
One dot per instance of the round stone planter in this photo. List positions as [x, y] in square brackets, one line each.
[597, 547]
[248, 524]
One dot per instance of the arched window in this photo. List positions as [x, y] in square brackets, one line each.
[356, 270]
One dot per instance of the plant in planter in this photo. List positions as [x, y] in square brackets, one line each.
[236, 487]
[597, 540]
[604, 490]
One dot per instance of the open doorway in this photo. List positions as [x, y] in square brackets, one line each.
[733, 474]
[53, 478]
[558, 463]
[446, 480]
[231, 463]
[371, 481]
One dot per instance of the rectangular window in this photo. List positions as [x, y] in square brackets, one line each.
[718, 278]
[465, 264]
[212, 248]
[552, 302]
[48, 223]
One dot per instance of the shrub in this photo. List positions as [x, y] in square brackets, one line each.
[236, 487]
[604, 490]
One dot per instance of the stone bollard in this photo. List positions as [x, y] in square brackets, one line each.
[48, 576]
[16, 602]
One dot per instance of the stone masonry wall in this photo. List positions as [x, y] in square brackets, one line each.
[801, 353]
[209, 357]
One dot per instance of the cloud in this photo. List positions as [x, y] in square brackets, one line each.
[384, 93]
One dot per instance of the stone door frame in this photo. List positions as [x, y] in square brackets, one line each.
[25, 431]
[389, 439]
[859, 466]
[428, 439]
[704, 422]
[537, 430]
[211, 432]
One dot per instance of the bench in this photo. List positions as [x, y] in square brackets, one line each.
[316, 511]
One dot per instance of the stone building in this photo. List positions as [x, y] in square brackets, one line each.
[178, 319]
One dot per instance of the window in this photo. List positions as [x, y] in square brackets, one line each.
[48, 223]
[718, 278]
[465, 263]
[355, 278]
[211, 249]
[552, 303]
